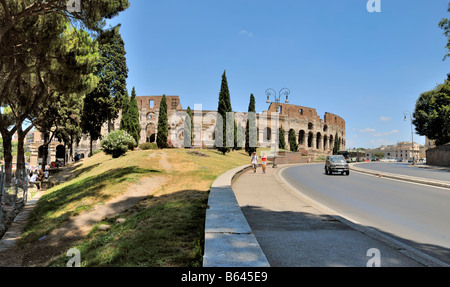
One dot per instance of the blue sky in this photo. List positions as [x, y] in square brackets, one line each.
[333, 55]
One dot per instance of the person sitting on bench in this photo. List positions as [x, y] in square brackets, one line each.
[34, 180]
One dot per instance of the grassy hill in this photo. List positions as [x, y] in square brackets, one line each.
[163, 228]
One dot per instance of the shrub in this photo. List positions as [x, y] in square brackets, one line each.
[145, 146]
[117, 143]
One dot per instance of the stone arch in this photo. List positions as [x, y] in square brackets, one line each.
[325, 142]
[267, 134]
[310, 139]
[151, 133]
[318, 140]
[61, 153]
[310, 126]
[301, 137]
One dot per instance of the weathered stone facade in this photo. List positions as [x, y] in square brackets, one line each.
[314, 134]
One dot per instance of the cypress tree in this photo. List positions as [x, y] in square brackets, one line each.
[163, 125]
[124, 121]
[281, 140]
[250, 128]
[292, 141]
[188, 128]
[336, 144]
[223, 109]
[134, 127]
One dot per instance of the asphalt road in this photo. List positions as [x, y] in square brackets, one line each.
[406, 169]
[414, 214]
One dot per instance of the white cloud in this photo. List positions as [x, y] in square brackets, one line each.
[385, 119]
[368, 130]
[247, 33]
[386, 133]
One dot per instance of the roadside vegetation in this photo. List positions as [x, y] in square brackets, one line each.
[163, 229]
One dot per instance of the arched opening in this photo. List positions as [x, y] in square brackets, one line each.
[267, 136]
[318, 140]
[310, 126]
[301, 137]
[151, 133]
[310, 139]
[152, 138]
[61, 154]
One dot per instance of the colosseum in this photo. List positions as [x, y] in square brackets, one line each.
[315, 136]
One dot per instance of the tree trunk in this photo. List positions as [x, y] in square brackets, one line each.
[20, 147]
[45, 150]
[90, 147]
[7, 153]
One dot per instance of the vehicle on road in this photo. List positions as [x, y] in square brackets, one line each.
[336, 163]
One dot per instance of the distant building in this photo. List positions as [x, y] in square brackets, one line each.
[403, 151]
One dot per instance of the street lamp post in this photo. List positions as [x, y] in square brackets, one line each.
[271, 92]
[405, 116]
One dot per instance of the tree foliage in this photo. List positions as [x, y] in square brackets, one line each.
[281, 139]
[251, 137]
[293, 146]
[445, 25]
[130, 117]
[104, 102]
[337, 144]
[188, 128]
[432, 114]
[163, 125]
[38, 54]
[224, 107]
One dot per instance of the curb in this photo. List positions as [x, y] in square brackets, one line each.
[229, 240]
[438, 183]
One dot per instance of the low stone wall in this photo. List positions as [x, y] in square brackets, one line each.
[9, 212]
[439, 156]
[291, 157]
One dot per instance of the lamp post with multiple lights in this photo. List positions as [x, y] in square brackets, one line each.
[269, 93]
[405, 116]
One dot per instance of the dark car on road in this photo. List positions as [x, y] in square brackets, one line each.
[336, 163]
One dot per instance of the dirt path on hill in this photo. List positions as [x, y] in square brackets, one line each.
[63, 238]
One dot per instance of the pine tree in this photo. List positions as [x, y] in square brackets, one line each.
[251, 136]
[104, 102]
[163, 125]
[281, 139]
[223, 109]
[293, 146]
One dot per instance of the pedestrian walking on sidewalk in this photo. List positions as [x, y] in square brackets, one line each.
[264, 162]
[254, 161]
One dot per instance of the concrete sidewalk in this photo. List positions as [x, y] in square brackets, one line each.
[294, 231]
